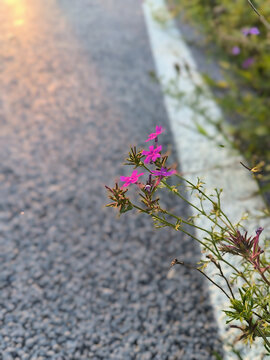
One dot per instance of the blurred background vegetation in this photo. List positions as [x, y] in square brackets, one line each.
[244, 95]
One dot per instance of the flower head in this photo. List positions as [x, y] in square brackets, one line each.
[251, 31]
[254, 31]
[154, 135]
[236, 50]
[152, 154]
[130, 179]
[241, 244]
[245, 31]
[163, 172]
[244, 246]
[248, 62]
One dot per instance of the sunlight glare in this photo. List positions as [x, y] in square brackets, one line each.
[17, 9]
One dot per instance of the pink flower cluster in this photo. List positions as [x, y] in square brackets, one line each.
[151, 156]
[251, 31]
[154, 152]
[236, 49]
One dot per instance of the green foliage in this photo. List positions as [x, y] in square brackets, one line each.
[247, 288]
[245, 93]
[119, 199]
[242, 308]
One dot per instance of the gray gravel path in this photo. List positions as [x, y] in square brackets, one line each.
[76, 282]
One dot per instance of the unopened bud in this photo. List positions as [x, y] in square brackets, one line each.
[147, 188]
[259, 230]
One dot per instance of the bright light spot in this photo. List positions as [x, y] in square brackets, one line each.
[18, 22]
[17, 10]
[11, 2]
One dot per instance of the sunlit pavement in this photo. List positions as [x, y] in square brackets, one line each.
[76, 282]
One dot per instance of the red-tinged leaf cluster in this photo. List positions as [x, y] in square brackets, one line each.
[117, 195]
[241, 244]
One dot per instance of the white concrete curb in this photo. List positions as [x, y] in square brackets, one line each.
[198, 156]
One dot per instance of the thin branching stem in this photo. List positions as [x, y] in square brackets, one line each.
[167, 223]
[208, 198]
[186, 222]
[222, 227]
[192, 205]
[261, 17]
[227, 282]
[263, 336]
[264, 278]
[201, 211]
[195, 268]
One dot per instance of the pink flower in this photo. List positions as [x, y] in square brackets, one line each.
[248, 62]
[254, 31]
[130, 179]
[245, 31]
[251, 31]
[163, 172]
[152, 154]
[236, 50]
[153, 136]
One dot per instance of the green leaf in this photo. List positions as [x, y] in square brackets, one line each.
[201, 130]
[124, 209]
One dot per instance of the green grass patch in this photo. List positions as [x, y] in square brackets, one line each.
[244, 95]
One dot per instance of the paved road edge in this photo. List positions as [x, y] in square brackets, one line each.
[198, 156]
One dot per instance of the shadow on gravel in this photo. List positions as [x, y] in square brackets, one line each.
[77, 283]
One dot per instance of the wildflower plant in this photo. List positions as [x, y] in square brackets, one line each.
[224, 244]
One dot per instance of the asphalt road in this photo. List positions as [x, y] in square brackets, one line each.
[77, 282]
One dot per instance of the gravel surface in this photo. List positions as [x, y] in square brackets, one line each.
[77, 282]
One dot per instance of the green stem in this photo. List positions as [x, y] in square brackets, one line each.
[186, 222]
[155, 216]
[195, 268]
[234, 268]
[208, 198]
[201, 211]
[263, 336]
[218, 266]
[264, 278]
[217, 250]
[192, 205]
[173, 226]
[261, 17]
